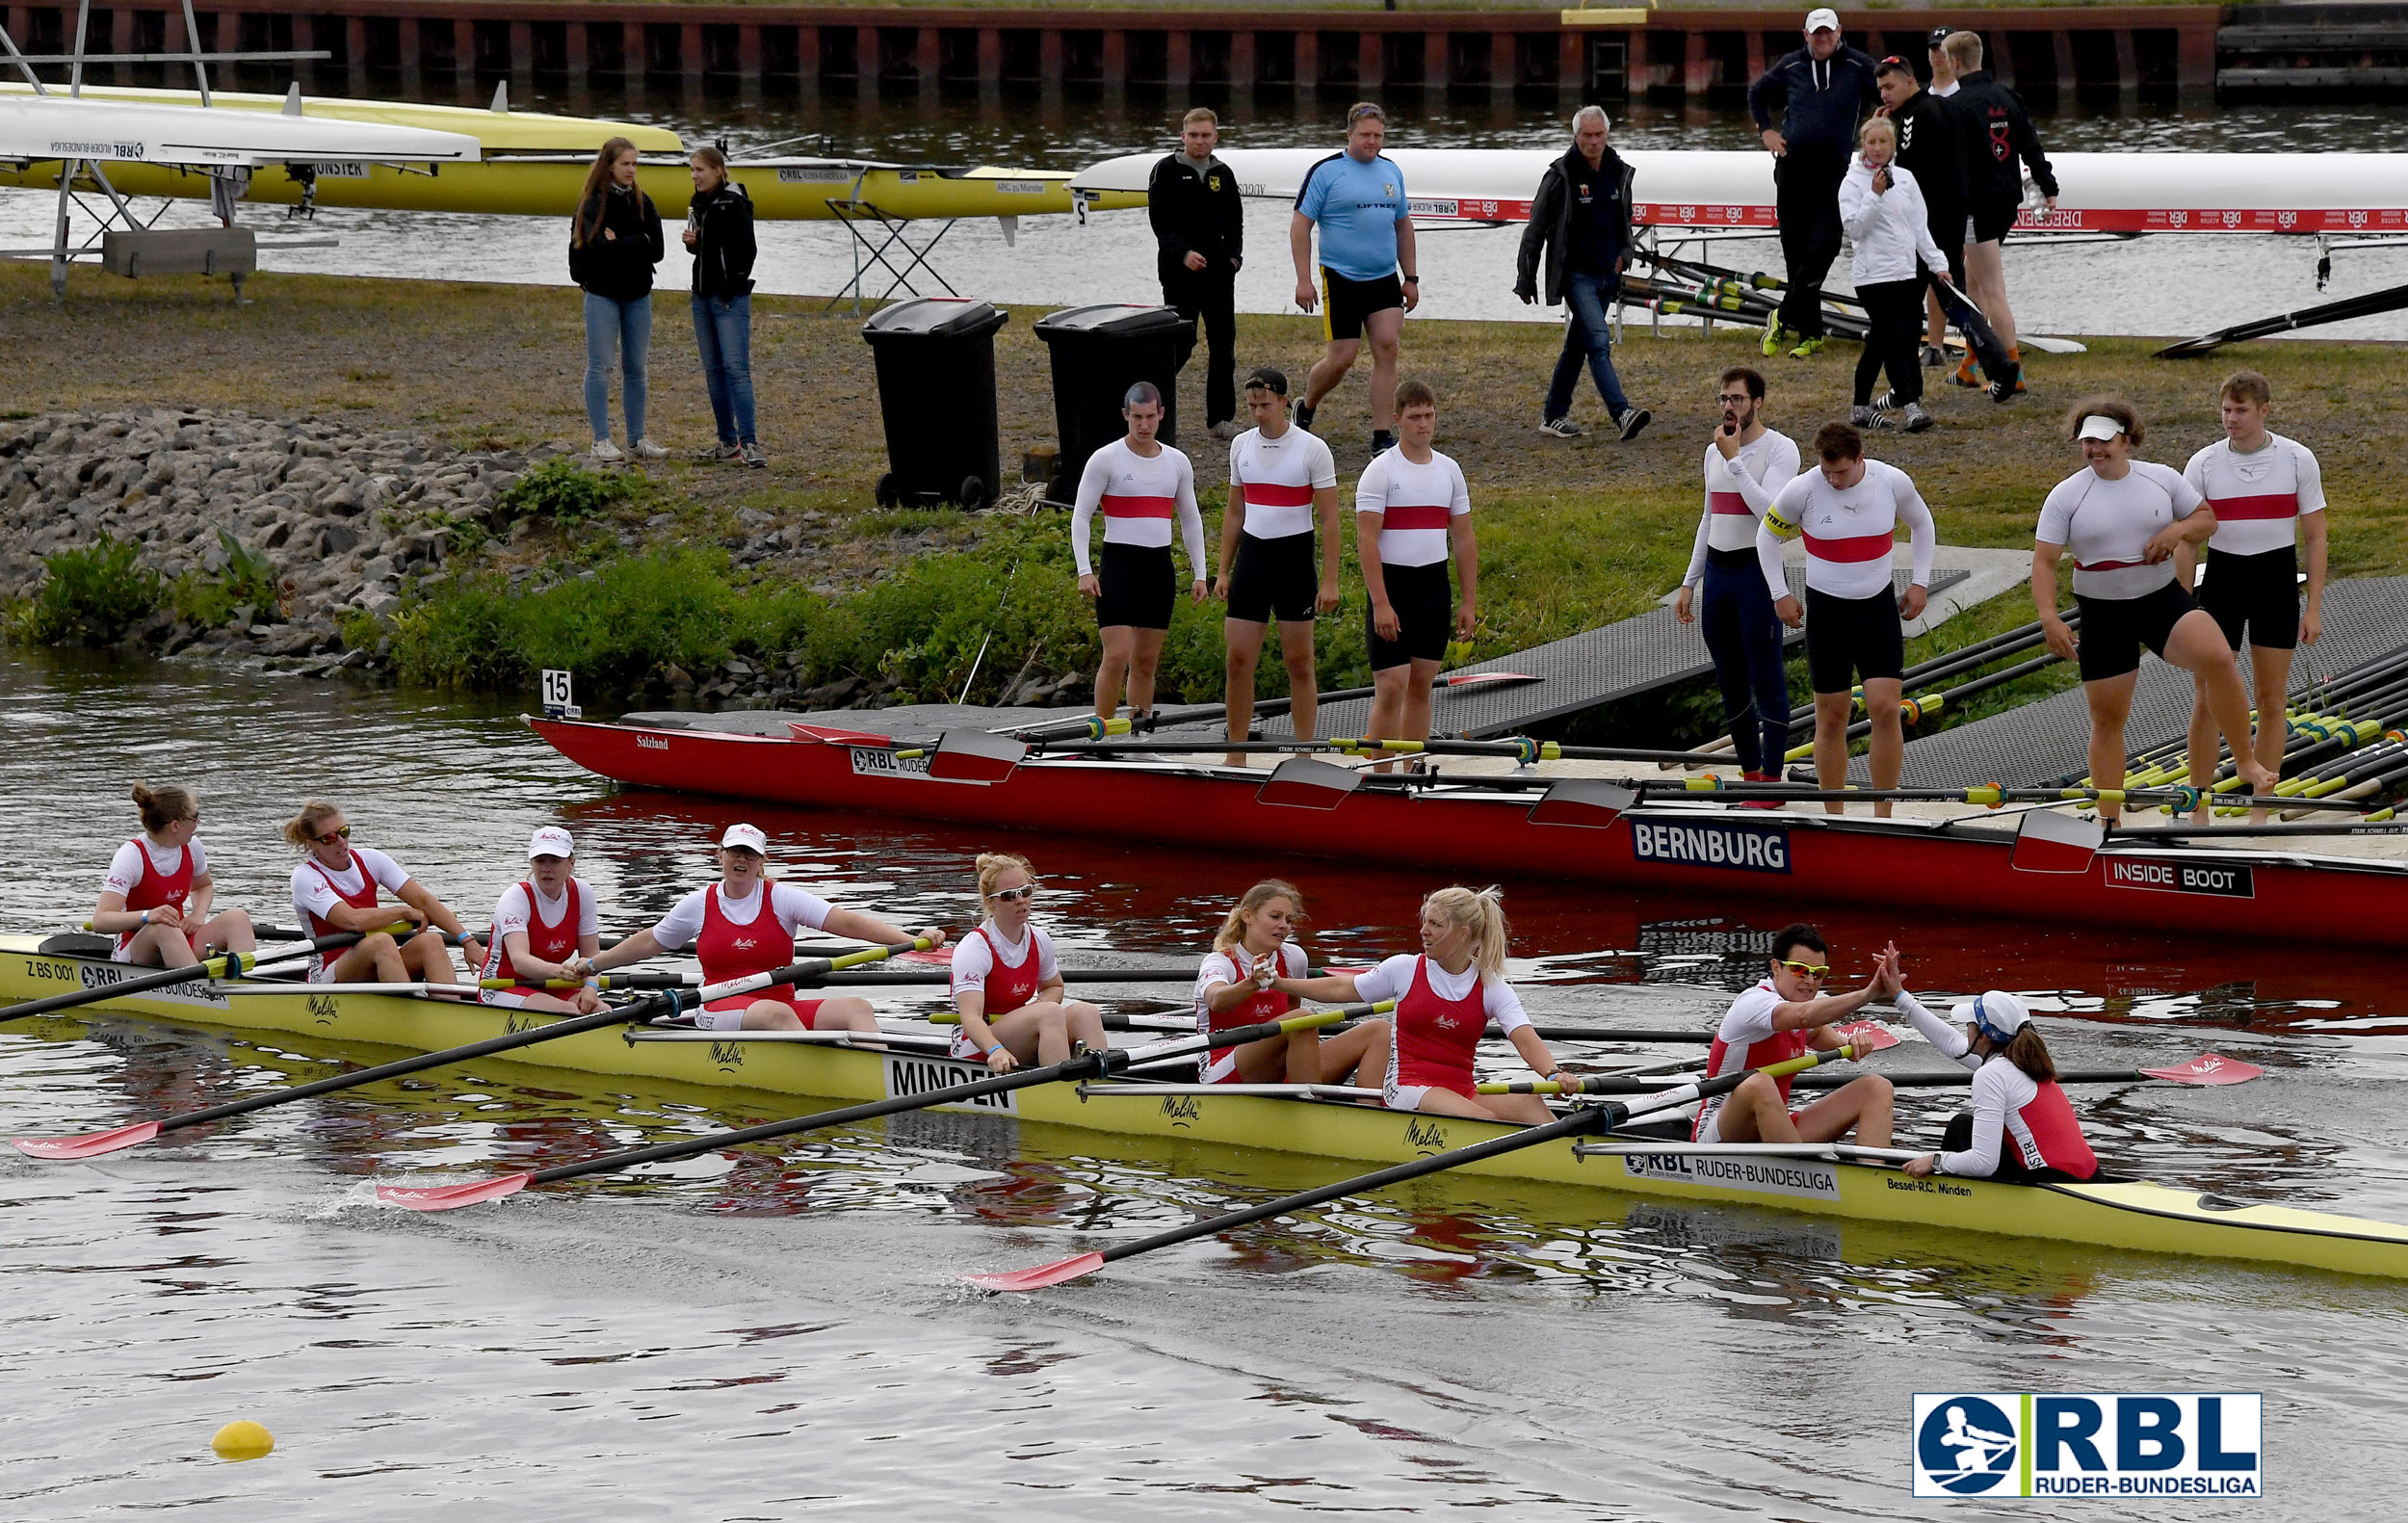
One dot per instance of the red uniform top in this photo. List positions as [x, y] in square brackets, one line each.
[727, 951]
[1746, 1040]
[155, 889]
[1437, 1038]
[1234, 966]
[546, 943]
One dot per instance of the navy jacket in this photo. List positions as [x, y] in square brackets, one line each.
[1819, 101]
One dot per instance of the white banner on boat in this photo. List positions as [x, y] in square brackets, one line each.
[1808, 1177]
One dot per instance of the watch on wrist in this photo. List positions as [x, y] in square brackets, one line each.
[1411, 279]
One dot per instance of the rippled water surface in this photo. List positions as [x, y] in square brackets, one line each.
[757, 1334]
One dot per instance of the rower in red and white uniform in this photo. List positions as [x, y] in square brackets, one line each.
[1788, 1016]
[2268, 494]
[157, 897]
[1412, 512]
[1445, 998]
[1140, 485]
[2125, 520]
[1746, 465]
[1849, 511]
[743, 924]
[1282, 482]
[543, 925]
[1236, 988]
[2021, 1125]
[334, 889]
[1006, 982]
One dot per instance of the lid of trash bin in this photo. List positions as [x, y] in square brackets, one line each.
[1118, 319]
[934, 317]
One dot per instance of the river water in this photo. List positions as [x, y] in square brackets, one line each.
[752, 1336]
[2161, 285]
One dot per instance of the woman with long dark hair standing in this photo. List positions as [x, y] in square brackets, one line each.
[719, 231]
[613, 242]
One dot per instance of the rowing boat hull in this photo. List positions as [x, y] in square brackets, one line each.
[1699, 851]
[2139, 1216]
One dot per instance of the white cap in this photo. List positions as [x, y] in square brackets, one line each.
[1998, 1014]
[2099, 426]
[550, 841]
[1822, 18]
[747, 836]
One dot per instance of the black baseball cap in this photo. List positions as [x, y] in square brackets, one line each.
[1268, 378]
[1939, 35]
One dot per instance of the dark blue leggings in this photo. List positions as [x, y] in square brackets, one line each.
[1745, 635]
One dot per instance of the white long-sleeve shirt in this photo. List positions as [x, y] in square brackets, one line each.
[2000, 1092]
[1738, 491]
[1849, 532]
[1890, 230]
[1139, 496]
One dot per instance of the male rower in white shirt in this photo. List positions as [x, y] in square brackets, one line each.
[1282, 482]
[1785, 1017]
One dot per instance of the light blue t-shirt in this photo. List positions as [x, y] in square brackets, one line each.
[1357, 207]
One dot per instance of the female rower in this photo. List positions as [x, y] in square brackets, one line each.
[2124, 519]
[1445, 998]
[156, 898]
[1235, 988]
[2022, 1126]
[334, 889]
[541, 927]
[722, 922]
[1008, 986]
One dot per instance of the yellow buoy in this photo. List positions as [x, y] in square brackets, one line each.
[242, 1440]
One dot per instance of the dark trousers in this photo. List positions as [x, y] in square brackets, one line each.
[1209, 299]
[1743, 633]
[1806, 201]
[1896, 311]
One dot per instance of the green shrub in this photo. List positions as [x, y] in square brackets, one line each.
[248, 580]
[563, 492]
[93, 594]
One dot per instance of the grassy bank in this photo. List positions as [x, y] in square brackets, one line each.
[1572, 533]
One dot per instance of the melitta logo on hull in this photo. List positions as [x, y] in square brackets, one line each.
[919, 1076]
[1742, 848]
[2220, 880]
[1996, 1444]
[1763, 1176]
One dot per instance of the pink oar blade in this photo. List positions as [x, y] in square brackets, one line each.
[2209, 1067]
[1868, 1037]
[447, 1198]
[1472, 679]
[1039, 1277]
[91, 1144]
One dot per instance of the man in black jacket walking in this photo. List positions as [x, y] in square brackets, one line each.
[2000, 144]
[1930, 148]
[1580, 220]
[1822, 91]
[1199, 232]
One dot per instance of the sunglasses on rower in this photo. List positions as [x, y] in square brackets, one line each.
[341, 832]
[1011, 895]
[1807, 970]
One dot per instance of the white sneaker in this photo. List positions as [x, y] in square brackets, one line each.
[647, 450]
[607, 452]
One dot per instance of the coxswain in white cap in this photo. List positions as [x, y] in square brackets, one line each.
[2021, 1125]
[543, 925]
[732, 938]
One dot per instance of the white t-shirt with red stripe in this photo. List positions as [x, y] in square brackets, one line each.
[2258, 496]
[2109, 524]
[1277, 477]
[1849, 531]
[1738, 491]
[1139, 496]
[1415, 505]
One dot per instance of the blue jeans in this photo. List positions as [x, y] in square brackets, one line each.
[722, 329]
[626, 329]
[1588, 336]
[1743, 633]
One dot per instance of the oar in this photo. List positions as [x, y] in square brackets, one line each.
[2204, 1070]
[908, 978]
[1587, 1119]
[94, 1144]
[228, 964]
[1167, 1023]
[1083, 1065]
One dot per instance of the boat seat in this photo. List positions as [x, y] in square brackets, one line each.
[77, 944]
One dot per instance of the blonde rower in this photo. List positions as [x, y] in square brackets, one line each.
[731, 936]
[156, 898]
[1445, 998]
[541, 927]
[1007, 984]
[1235, 988]
[334, 889]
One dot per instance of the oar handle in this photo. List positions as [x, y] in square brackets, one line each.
[1621, 1084]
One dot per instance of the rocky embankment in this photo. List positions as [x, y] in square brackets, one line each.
[344, 516]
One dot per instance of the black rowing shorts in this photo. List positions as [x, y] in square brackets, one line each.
[1346, 302]
[1137, 585]
[1424, 599]
[2113, 629]
[2254, 593]
[1852, 638]
[1274, 578]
